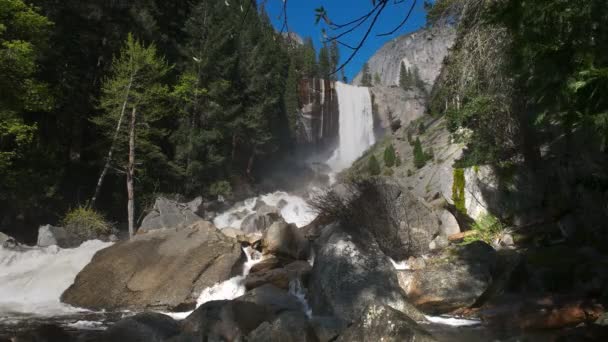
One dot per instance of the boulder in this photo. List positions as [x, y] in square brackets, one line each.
[143, 327]
[383, 323]
[263, 217]
[347, 277]
[449, 225]
[438, 243]
[289, 326]
[49, 235]
[7, 241]
[452, 280]
[242, 237]
[402, 224]
[327, 328]
[164, 270]
[225, 320]
[285, 240]
[272, 297]
[279, 277]
[170, 214]
[269, 263]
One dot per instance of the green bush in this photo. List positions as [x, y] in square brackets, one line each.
[410, 173]
[220, 188]
[410, 138]
[388, 172]
[487, 228]
[389, 156]
[419, 157]
[86, 223]
[397, 161]
[421, 128]
[373, 167]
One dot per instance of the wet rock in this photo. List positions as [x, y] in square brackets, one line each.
[269, 263]
[272, 297]
[285, 240]
[383, 323]
[279, 277]
[170, 214]
[438, 243]
[225, 320]
[162, 270]
[242, 237]
[7, 241]
[453, 280]
[49, 235]
[327, 328]
[261, 219]
[143, 327]
[347, 277]
[43, 333]
[289, 326]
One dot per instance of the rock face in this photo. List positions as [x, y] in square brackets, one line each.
[346, 278]
[402, 224]
[454, 280]
[164, 270]
[317, 124]
[383, 323]
[49, 235]
[396, 106]
[424, 49]
[167, 214]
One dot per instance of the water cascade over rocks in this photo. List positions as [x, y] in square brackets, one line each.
[356, 125]
[33, 278]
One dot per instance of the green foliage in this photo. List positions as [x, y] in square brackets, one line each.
[409, 78]
[420, 158]
[291, 97]
[421, 128]
[410, 173]
[220, 188]
[486, 229]
[397, 161]
[388, 172]
[86, 223]
[373, 167]
[366, 77]
[377, 79]
[458, 185]
[389, 156]
[325, 64]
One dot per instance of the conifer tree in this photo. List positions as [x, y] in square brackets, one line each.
[389, 156]
[133, 92]
[366, 77]
[419, 156]
[373, 167]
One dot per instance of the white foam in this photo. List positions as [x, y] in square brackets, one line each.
[87, 325]
[32, 278]
[296, 211]
[356, 131]
[452, 321]
[297, 290]
[401, 265]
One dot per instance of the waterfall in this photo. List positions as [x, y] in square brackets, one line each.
[356, 133]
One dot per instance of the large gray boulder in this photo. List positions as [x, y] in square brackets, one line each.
[285, 239]
[143, 327]
[289, 326]
[383, 323]
[164, 270]
[225, 320]
[272, 297]
[348, 276]
[49, 235]
[453, 280]
[279, 277]
[263, 217]
[401, 223]
[170, 214]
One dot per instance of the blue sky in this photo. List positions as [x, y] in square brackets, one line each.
[301, 15]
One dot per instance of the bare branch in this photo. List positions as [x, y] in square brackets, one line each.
[409, 13]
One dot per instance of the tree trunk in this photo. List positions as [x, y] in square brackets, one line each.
[106, 167]
[130, 173]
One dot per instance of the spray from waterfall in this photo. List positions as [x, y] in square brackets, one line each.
[356, 125]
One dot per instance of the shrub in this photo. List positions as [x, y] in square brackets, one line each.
[389, 156]
[220, 188]
[487, 228]
[419, 157]
[388, 172]
[373, 167]
[410, 173]
[421, 128]
[86, 223]
[410, 138]
[397, 161]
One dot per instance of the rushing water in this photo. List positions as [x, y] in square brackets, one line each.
[356, 125]
[32, 278]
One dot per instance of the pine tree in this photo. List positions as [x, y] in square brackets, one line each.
[334, 58]
[309, 68]
[389, 156]
[419, 156]
[325, 63]
[133, 89]
[405, 78]
[373, 167]
[366, 77]
[291, 97]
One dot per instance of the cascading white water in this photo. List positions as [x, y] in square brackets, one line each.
[32, 278]
[356, 125]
